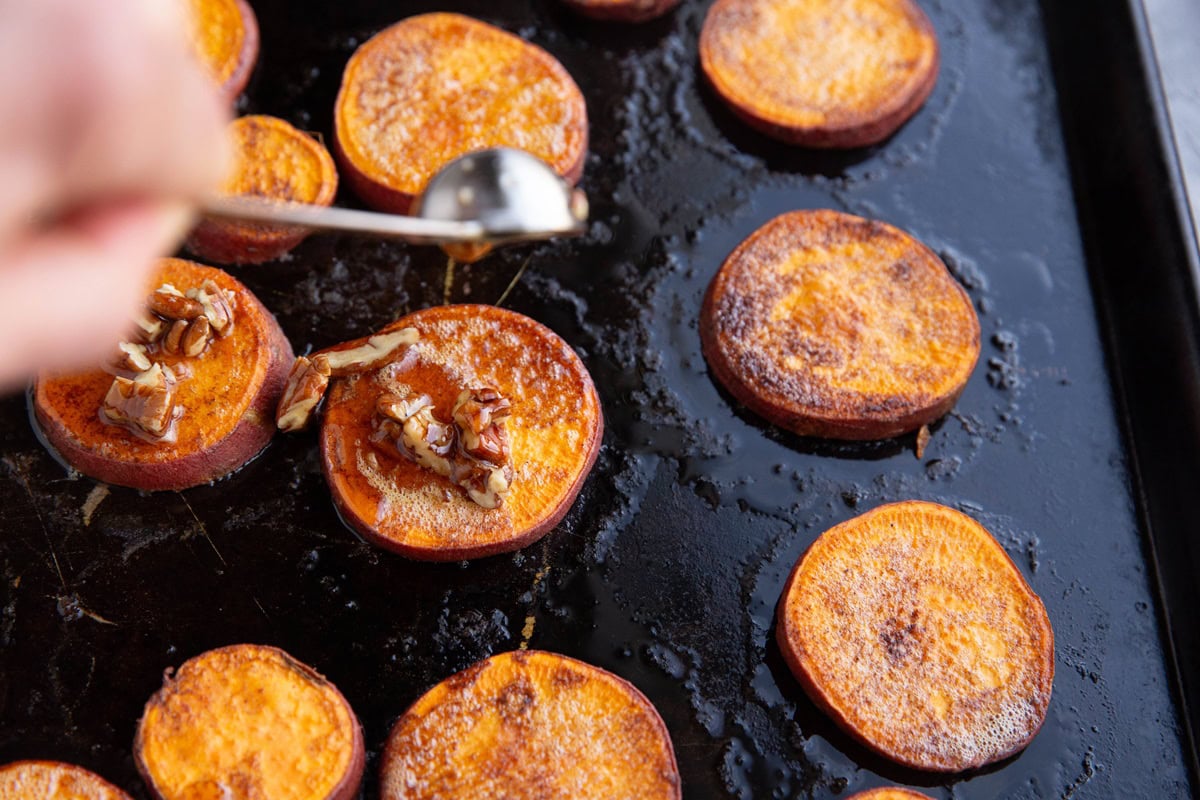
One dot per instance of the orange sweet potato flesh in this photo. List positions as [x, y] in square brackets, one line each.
[622, 10]
[272, 160]
[224, 36]
[888, 793]
[229, 401]
[530, 724]
[820, 73]
[913, 629]
[249, 721]
[53, 780]
[837, 326]
[437, 86]
[554, 431]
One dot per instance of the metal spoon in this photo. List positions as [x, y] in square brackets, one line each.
[496, 196]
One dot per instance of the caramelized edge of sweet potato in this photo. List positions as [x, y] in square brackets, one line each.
[244, 442]
[518, 658]
[100, 786]
[345, 789]
[861, 130]
[837, 423]
[227, 242]
[784, 636]
[373, 190]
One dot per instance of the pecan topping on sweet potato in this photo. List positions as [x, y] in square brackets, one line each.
[472, 451]
[306, 385]
[309, 378]
[144, 405]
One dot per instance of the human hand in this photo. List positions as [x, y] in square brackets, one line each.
[110, 128]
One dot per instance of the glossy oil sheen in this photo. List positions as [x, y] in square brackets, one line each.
[668, 568]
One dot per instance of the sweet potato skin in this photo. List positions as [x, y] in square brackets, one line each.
[607, 738]
[241, 67]
[916, 750]
[445, 123]
[347, 786]
[276, 161]
[793, 120]
[622, 10]
[66, 407]
[555, 428]
[54, 780]
[792, 365]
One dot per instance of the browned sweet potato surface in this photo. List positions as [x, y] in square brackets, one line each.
[913, 629]
[275, 161]
[822, 73]
[224, 36]
[888, 793]
[53, 780]
[249, 721]
[833, 325]
[437, 86]
[530, 725]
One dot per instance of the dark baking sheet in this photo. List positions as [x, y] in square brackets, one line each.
[667, 569]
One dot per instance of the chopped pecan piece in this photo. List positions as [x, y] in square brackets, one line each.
[306, 385]
[472, 451]
[196, 337]
[149, 327]
[173, 341]
[477, 412]
[168, 302]
[132, 357]
[378, 350]
[144, 405]
[216, 307]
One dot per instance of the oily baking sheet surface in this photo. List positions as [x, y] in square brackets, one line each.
[668, 568]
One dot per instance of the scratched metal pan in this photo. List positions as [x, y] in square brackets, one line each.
[668, 568]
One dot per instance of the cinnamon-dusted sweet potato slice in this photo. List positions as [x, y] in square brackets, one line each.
[833, 325]
[224, 36]
[888, 793]
[820, 73]
[249, 721]
[913, 629]
[554, 428]
[437, 86]
[53, 780]
[272, 160]
[530, 725]
[220, 401]
[622, 10]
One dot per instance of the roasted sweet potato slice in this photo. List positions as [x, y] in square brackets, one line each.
[622, 10]
[553, 427]
[820, 73]
[275, 161]
[438, 86]
[913, 629]
[530, 725]
[224, 36]
[53, 780]
[888, 793]
[249, 721]
[195, 393]
[837, 326]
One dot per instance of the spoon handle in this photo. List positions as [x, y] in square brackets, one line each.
[346, 220]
